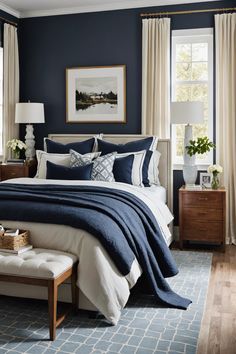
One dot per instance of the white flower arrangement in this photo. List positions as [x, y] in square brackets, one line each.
[16, 144]
[215, 169]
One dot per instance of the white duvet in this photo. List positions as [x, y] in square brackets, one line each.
[98, 278]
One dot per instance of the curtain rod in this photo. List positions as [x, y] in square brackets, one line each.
[7, 21]
[187, 12]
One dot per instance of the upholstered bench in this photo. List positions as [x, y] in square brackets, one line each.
[42, 267]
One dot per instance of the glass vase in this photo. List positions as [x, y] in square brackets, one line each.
[215, 183]
[16, 154]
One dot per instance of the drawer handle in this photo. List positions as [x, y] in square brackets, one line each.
[13, 174]
[201, 214]
[202, 198]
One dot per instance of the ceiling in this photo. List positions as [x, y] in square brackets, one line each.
[32, 8]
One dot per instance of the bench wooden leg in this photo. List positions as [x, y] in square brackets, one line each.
[74, 290]
[52, 308]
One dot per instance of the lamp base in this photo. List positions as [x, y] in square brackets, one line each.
[30, 142]
[190, 174]
[189, 167]
[188, 135]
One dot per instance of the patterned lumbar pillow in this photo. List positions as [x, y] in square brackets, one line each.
[102, 166]
[77, 160]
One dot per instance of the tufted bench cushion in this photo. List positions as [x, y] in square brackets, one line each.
[37, 263]
[42, 267]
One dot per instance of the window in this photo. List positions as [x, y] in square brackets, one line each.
[1, 98]
[192, 80]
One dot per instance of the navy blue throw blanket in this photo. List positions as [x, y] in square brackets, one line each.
[123, 224]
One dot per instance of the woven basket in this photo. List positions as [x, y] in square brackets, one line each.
[14, 242]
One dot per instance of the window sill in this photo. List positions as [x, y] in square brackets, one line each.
[200, 167]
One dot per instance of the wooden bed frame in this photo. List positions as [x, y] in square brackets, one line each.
[164, 147]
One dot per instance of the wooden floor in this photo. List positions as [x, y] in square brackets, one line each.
[218, 330]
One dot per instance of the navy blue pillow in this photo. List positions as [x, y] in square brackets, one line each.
[83, 147]
[133, 146]
[61, 172]
[122, 169]
[147, 159]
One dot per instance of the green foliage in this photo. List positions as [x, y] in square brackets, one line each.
[199, 146]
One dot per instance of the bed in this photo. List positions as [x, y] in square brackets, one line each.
[102, 286]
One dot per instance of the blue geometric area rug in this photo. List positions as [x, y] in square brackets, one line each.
[144, 327]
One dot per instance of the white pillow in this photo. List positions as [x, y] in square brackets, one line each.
[137, 168]
[58, 159]
[153, 171]
[154, 143]
[43, 157]
[96, 137]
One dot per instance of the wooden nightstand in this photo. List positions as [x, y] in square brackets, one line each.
[202, 215]
[8, 171]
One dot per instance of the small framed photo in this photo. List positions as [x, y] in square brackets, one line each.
[205, 179]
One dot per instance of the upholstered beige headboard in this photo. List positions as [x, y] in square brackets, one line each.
[165, 174]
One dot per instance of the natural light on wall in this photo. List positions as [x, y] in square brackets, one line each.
[1, 96]
[192, 80]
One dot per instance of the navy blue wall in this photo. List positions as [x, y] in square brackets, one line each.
[48, 45]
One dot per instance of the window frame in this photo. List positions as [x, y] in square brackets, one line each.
[193, 36]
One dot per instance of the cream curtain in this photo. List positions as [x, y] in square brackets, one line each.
[156, 77]
[225, 37]
[10, 84]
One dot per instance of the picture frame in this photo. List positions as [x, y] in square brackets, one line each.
[205, 179]
[96, 94]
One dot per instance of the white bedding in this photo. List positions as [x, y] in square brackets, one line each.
[157, 193]
[98, 278]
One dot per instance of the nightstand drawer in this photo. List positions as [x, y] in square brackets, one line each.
[202, 214]
[203, 199]
[208, 231]
[12, 172]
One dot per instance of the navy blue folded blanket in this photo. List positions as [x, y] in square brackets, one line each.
[123, 224]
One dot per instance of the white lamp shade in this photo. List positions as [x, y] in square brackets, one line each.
[187, 112]
[29, 113]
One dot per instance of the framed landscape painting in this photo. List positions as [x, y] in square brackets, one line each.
[96, 94]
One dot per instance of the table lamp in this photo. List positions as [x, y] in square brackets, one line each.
[188, 113]
[29, 113]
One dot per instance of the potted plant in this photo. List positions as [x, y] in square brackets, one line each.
[199, 146]
[16, 146]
